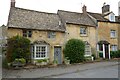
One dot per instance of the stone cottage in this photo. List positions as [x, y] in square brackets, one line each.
[48, 32]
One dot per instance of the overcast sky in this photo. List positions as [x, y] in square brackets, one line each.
[53, 5]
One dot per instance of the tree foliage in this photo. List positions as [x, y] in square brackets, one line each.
[74, 50]
[18, 47]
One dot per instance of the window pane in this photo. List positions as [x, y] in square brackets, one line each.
[83, 30]
[113, 33]
[24, 33]
[51, 34]
[114, 47]
[29, 33]
[41, 51]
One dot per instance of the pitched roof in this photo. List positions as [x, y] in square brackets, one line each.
[98, 16]
[30, 19]
[117, 19]
[76, 18]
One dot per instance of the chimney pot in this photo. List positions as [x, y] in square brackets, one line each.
[105, 9]
[12, 3]
[84, 9]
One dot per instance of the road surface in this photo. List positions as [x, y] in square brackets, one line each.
[107, 69]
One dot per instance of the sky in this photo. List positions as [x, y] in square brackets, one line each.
[52, 6]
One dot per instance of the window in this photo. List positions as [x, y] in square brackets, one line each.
[51, 34]
[112, 17]
[27, 33]
[83, 30]
[87, 50]
[113, 47]
[39, 51]
[112, 33]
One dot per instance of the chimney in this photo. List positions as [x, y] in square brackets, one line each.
[84, 9]
[105, 8]
[12, 3]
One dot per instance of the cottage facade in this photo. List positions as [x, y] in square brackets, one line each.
[48, 32]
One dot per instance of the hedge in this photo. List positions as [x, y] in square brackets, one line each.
[74, 50]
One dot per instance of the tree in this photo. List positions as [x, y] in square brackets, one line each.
[18, 47]
[74, 50]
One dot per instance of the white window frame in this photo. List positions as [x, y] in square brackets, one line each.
[34, 53]
[114, 47]
[86, 50]
[111, 33]
[83, 33]
[27, 33]
[112, 17]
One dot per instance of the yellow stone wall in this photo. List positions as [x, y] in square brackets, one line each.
[73, 31]
[42, 35]
[104, 32]
[119, 35]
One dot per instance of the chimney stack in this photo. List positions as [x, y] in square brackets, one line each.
[105, 8]
[84, 9]
[12, 3]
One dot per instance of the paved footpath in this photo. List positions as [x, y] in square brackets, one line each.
[60, 70]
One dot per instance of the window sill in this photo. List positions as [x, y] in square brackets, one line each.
[113, 37]
[81, 35]
[41, 58]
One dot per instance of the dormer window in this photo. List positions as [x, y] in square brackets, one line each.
[112, 17]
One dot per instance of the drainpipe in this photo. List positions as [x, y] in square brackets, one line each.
[97, 39]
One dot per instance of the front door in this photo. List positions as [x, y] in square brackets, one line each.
[106, 51]
[57, 54]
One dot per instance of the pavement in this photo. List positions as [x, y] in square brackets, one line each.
[107, 69]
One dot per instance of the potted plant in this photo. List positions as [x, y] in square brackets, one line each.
[18, 62]
[55, 62]
[39, 62]
[67, 61]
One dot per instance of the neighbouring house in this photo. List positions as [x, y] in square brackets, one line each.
[80, 26]
[44, 30]
[48, 32]
[2, 37]
[107, 31]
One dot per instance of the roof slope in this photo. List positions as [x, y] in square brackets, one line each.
[76, 18]
[117, 19]
[98, 16]
[30, 19]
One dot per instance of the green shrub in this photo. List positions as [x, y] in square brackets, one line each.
[74, 50]
[55, 61]
[39, 60]
[101, 54]
[88, 58]
[18, 47]
[45, 60]
[115, 54]
[5, 63]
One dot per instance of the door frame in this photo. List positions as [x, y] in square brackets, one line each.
[104, 44]
[60, 53]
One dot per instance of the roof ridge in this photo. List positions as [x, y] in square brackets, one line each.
[70, 11]
[34, 10]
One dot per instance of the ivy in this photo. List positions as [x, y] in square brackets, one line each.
[18, 47]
